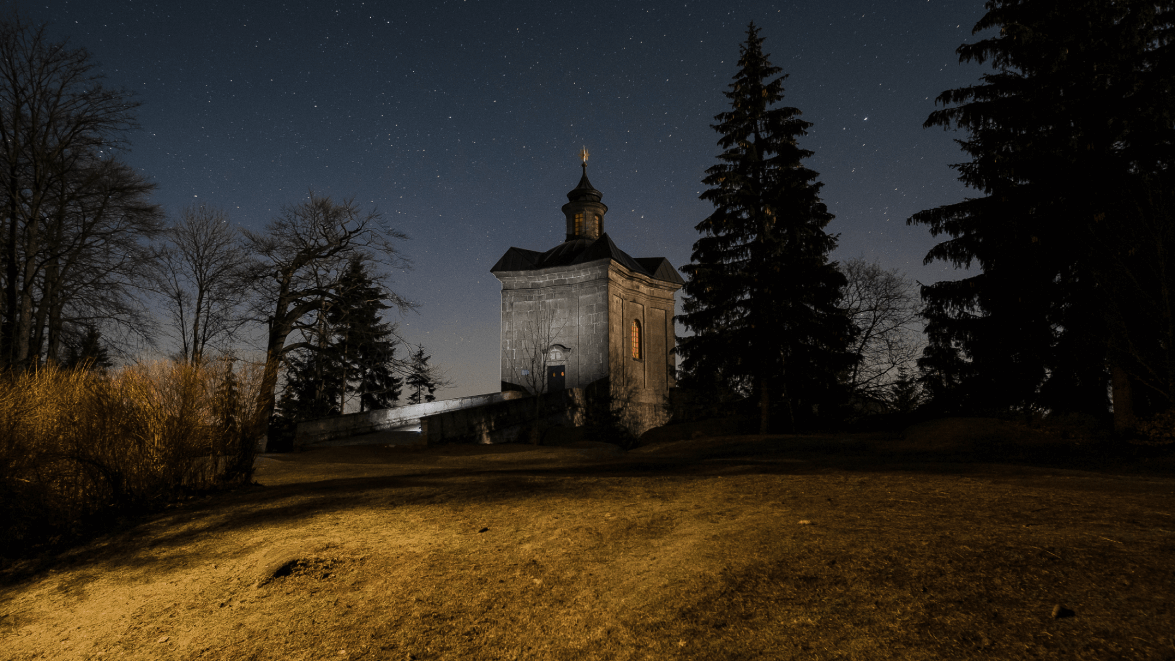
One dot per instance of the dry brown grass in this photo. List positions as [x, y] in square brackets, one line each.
[817, 547]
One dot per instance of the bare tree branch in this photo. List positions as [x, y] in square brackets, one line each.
[73, 219]
[885, 310]
[202, 278]
[296, 261]
[529, 346]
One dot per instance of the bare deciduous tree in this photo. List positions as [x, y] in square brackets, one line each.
[298, 259]
[884, 307]
[201, 276]
[73, 218]
[533, 333]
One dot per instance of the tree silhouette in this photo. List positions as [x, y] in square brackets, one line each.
[885, 312]
[349, 352]
[87, 351]
[297, 261]
[422, 381]
[201, 279]
[1066, 135]
[74, 219]
[364, 345]
[313, 387]
[761, 294]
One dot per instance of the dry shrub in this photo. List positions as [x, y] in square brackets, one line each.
[978, 435]
[76, 444]
[611, 412]
[1159, 430]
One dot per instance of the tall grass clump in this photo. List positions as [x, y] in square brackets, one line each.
[77, 446]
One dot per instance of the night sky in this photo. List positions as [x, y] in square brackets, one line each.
[461, 122]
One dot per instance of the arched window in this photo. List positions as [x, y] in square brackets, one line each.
[636, 339]
[577, 228]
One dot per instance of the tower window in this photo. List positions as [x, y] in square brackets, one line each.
[636, 340]
[596, 220]
[578, 226]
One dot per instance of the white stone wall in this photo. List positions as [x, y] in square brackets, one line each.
[399, 418]
[577, 298]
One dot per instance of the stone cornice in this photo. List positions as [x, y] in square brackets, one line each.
[622, 271]
[533, 275]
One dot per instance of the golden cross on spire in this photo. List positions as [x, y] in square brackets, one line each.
[583, 154]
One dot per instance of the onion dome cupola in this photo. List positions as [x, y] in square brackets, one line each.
[584, 211]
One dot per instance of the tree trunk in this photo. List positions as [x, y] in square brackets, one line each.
[1123, 399]
[53, 350]
[197, 355]
[24, 322]
[44, 313]
[24, 329]
[267, 394]
[11, 285]
[280, 327]
[40, 320]
[764, 407]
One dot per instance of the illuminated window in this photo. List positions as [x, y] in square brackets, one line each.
[578, 231]
[597, 222]
[636, 340]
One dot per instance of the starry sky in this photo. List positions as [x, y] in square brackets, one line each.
[461, 122]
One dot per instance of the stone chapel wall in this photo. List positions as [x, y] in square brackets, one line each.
[577, 297]
[646, 380]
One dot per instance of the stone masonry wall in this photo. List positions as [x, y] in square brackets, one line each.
[400, 418]
[570, 304]
[634, 296]
[507, 421]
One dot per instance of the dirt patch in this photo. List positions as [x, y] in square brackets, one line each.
[711, 547]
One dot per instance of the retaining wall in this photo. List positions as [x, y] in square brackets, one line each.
[505, 421]
[400, 418]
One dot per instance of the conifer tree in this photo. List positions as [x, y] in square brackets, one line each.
[313, 388]
[226, 402]
[296, 259]
[352, 352]
[376, 383]
[1064, 134]
[364, 345]
[904, 393]
[761, 295]
[88, 352]
[230, 423]
[421, 381]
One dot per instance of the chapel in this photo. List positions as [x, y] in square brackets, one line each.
[585, 310]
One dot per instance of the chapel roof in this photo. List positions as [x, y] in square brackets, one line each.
[580, 251]
[584, 190]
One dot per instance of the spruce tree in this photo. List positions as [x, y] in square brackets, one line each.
[761, 294]
[313, 388]
[226, 402]
[230, 424]
[364, 345]
[1064, 132]
[376, 383]
[88, 352]
[353, 352]
[904, 393]
[421, 380]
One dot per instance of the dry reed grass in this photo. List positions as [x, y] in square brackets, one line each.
[77, 446]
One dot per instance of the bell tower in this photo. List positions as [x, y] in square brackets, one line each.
[584, 211]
